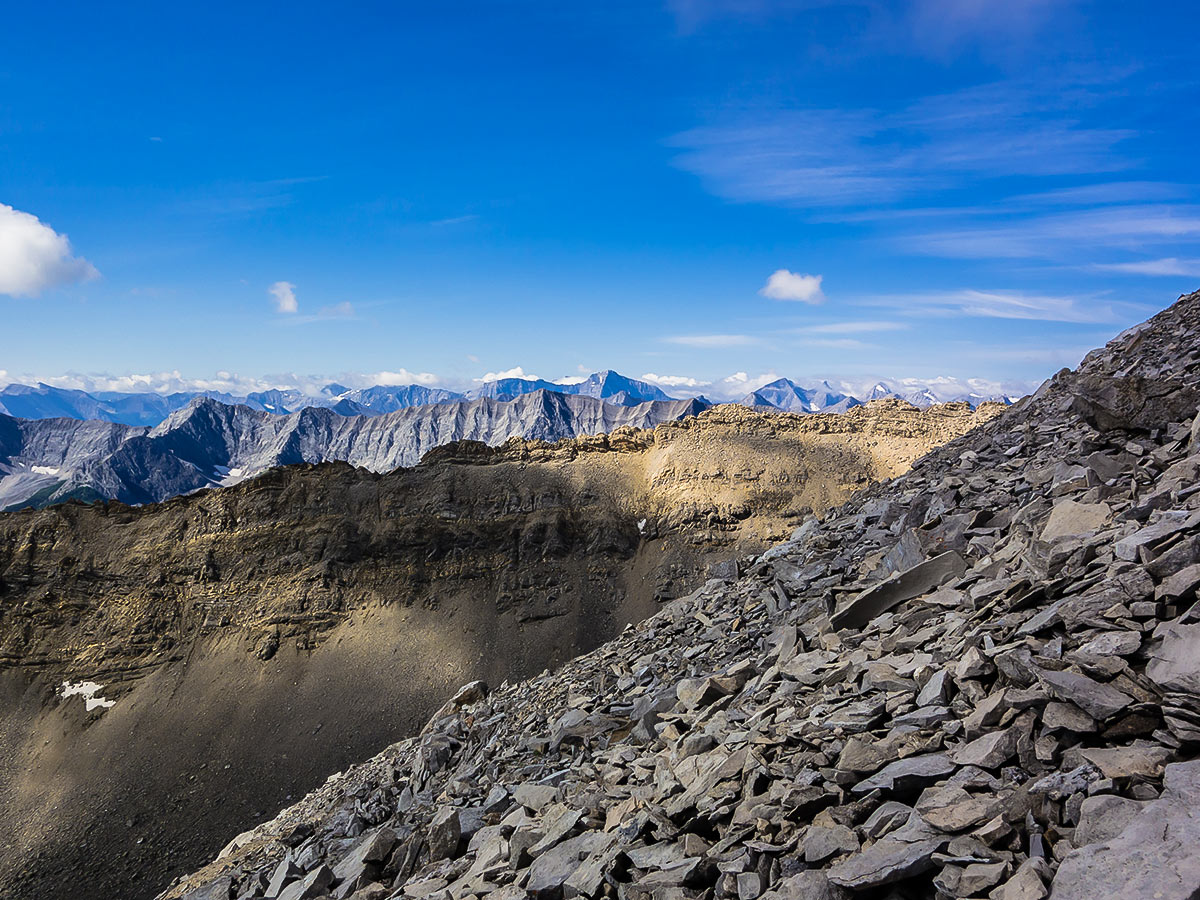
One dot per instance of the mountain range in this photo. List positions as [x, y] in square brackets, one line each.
[208, 443]
[150, 408]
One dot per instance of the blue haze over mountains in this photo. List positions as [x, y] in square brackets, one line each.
[43, 401]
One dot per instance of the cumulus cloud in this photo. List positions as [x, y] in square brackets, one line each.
[34, 257]
[283, 294]
[674, 380]
[740, 382]
[401, 377]
[514, 372]
[785, 285]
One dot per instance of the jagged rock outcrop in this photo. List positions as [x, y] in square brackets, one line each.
[1025, 726]
[227, 649]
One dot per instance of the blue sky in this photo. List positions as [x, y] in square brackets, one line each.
[687, 190]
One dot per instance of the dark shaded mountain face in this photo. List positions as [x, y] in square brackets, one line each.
[980, 679]
[208, 443]
[255, 638]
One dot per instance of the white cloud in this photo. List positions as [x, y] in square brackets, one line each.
[1002, 305]
[743, 383]
[343, 310]
[836, 343]
[284, 295]
[220, 382]
[674, 380]
[864, 158]
[34, 257]
[864, 327]
[785, 285]
[1168, 266]
[571, 379]
[1126, 228]
[712, 340]
[514, 372]
[401, 377]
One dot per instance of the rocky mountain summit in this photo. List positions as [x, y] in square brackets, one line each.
[980, 679]
[173, 670]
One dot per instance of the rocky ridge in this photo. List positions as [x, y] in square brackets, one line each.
[979, 679]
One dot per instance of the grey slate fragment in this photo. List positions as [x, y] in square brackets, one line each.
[906, 585]
[885, 862]
[550, 871]
[312, 885]
[1153, 857]
[220, 889]
[907, 774]
[1103, 817]
[1098, 700]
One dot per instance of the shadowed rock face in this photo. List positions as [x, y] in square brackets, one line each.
[258, 637]
[1022, 724]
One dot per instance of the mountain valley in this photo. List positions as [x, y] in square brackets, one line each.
[251, 639]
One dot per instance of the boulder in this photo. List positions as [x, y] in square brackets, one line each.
[885, 862]
[1154, 856]
[1070, 518]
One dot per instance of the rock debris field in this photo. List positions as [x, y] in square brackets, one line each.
[981, 679]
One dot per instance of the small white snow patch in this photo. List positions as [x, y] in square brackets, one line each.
[237, 473]
[89, 691]
[642, 526]
[44, 470]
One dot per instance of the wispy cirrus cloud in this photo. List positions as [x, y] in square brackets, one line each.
[336, 312]
[712, 341]
[1003, 305]
[839, 158]
[1166, 266]
[829, 343]
[865, 326]
[1060, 235]
[920, 27]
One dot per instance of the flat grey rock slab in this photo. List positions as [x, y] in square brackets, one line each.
[1155, 856]
[906, 585]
